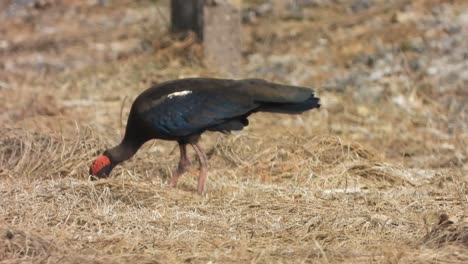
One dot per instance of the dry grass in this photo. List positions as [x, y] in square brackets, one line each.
[356, 182]
[281, 198]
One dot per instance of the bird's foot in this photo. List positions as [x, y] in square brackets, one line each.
[172, 182]
[201, 192]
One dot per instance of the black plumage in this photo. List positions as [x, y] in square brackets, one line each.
[181, 110]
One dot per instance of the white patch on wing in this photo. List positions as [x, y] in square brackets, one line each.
[181, 93]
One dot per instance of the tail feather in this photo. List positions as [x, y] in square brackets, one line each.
[267, 92]
[280, 98]
[291, 108]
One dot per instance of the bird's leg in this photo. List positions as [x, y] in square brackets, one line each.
[182, 167]
[203, 168]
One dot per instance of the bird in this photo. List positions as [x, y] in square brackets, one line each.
[182, 110]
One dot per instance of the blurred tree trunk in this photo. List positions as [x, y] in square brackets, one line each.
[187, 15]
[217, 23]
[222, 35]
[280, 7]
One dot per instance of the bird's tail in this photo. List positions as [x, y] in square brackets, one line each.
[279, 98]
[291, 108]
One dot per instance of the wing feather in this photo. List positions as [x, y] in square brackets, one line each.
[195, 111]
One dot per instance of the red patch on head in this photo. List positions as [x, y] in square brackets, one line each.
[99, 163]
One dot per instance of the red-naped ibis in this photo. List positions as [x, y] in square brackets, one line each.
[181, 110]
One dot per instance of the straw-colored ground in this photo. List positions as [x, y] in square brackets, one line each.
[379, 174]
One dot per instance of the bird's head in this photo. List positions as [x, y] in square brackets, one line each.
[101, 167]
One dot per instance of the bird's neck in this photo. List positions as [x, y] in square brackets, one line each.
[124, 151]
